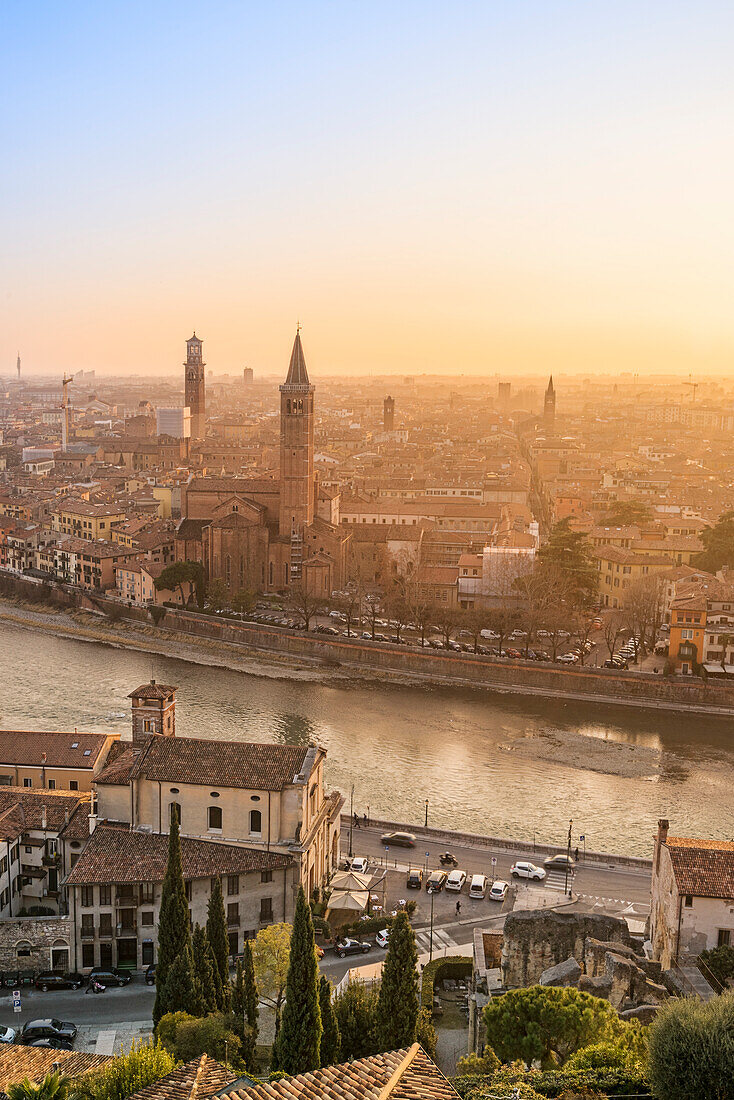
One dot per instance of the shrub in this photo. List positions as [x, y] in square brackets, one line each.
[145, 1064]
[157, 613]
[691, 1049]
[426, 1033]
[187, 1037]
[457, 966]
[720, 961]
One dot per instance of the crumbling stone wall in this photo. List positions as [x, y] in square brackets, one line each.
[38, 934]
[535, 940]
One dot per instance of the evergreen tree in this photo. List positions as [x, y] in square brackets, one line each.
[216, 933]
[299, 1040]
[356, 1014]
[174, 935]
[203, 973]
[245, 1008]
[397, 1009]
[179, 994]
[330, 1037]
[218, 992]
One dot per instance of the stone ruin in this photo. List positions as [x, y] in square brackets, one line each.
[591, 952]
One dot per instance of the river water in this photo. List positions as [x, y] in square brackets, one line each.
[613, 770]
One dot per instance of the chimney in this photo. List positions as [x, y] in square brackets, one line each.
[663, 826]
[44, 818]
[93, 819]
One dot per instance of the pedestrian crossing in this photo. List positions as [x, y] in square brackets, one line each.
[441, 940]
[556, 880]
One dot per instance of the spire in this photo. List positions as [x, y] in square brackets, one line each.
[550, 385]
[297, 373]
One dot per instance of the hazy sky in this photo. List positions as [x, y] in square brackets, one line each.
[507, 185]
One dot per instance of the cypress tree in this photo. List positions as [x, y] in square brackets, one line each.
[299, 1040]
[330, 1038]
[174, 935]
[216, 933]
[203, 972]
[397, 1008]
[179, 992]
[245, 1007]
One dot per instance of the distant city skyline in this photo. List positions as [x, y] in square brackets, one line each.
[476, 189]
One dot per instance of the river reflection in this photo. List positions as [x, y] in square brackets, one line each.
[401, 745]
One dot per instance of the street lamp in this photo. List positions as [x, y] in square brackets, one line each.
[568, 856]
[426, 814]
[430, 949]
[351, 821]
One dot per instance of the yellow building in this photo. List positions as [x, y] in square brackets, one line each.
[85, 520]
[619, 569]
[687, 630]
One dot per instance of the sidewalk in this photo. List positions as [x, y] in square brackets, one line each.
[113, 1038]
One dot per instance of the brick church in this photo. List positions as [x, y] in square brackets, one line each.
[265, 534]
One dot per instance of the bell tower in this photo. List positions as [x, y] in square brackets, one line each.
[549, 405]
[195, 387]
[153, 712]
[296, 452]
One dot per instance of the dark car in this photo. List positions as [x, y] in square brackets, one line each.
[401, 840]
[47, 1029]
[415, 878]
[150, 975]
[52, 1044]
[436, 881]
[110, 977]
[351, 947]
[54, 979]
[560, 862]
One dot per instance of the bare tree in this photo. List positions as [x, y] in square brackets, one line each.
[502, 620]
[613, 629]
[349, 604]
[643, 611]
[447, 618]
[372, 613]
[303, 604]
[419, 605]
[396, 609]
[474, 619]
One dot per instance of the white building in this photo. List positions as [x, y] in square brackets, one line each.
[174, 421]
[692, 896]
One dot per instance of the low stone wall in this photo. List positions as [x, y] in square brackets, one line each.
[536, 940]
[41, 934]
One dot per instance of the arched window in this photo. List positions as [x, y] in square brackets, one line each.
[215, 817]
[175, 813]
[256, 821]
[23, 949]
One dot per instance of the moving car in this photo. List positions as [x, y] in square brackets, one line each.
[383, 937]
[110, 977]
[559, 862]
[351, 947]
[436, 882]
[7, 1034]
[54, 979]
[499, 890]
[401, 840]
[47, 1029]
[478, 886]
[456, 880]
[415, 878]
[524, 869]
[360, 864]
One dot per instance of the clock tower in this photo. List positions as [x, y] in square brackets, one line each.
[296, 452]
[195, 396]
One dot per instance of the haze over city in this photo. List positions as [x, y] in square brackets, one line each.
[473, 188]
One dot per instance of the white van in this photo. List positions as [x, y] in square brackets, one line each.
[478, 887]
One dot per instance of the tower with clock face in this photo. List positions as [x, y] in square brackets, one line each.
[195, 387]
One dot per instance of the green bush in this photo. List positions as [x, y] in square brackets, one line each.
[186, 1037]
[456, 966]
[157, 613]
[720, 961]
[691, 1050]
[145, 1064]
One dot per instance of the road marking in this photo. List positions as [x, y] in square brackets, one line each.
[105, 1042]
[441, 939]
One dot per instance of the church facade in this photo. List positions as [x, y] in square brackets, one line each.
[269, 535]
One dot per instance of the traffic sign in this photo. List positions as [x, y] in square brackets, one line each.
[16, 1000]
[582, 837]
[494, 861]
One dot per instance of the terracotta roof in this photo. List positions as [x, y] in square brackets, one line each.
[115, 855]
[152, 691]
[63, 750]
[703, 868]
[193, 1081]
[399, 1075]
[17, 1063]
[259, 767]
[22, 808]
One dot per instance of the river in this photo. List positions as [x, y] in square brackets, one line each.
[614, 771]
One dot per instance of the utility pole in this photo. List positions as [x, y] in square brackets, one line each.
[430, 950]
[351, 821]
[65, 412]
[568, 856]
[426, 814]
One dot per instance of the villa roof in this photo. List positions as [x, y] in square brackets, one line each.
[703, 868]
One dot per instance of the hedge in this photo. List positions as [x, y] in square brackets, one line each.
[455, 966]
[553, 1083]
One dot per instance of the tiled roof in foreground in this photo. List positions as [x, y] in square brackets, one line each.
[399, 1075]
[703, 868]
[195, 1080]
[18, 1062]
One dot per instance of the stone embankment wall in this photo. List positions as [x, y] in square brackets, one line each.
[596, 685]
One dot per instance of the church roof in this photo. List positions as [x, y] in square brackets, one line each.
[297, 373]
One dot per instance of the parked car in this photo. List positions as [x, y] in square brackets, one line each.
[52, 1044]
[478, 886]
[53, 979]
[110, 977]
[150, 975]
[415, 878]
[559, 862]
[524, 869]
[13, 979]
[351, 947]
[7, 1034]
[47, 1029]
[383, 937]
[401, 840]
[456, 880]
[499, 890]
[360, 864]
[616, 662]
[436, 882]
[568, 658]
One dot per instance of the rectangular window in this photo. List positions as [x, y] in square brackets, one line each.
[724, 938]
[689, 901]
[52, 784]
[266, 876]
[73, 784]
[233, 913]
[105, 924]
[233, 884]
[27, 782]
[187, 888]
[87, 925]
[87, 955]
[147, 895]
[147, 917]
[266, 910]
[87, 897]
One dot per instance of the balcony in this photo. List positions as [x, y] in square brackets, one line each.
[32, 871]
[128, 928]
[126, 901]
[233, 920]
[87, 933]
[51, 859]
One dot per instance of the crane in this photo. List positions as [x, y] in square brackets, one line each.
[694, 386]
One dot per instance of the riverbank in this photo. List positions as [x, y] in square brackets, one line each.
[262, 650]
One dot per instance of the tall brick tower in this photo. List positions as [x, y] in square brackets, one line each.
[195, 387]
[296, 454]
[549, 405]
[154, 711]
[388, 414]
